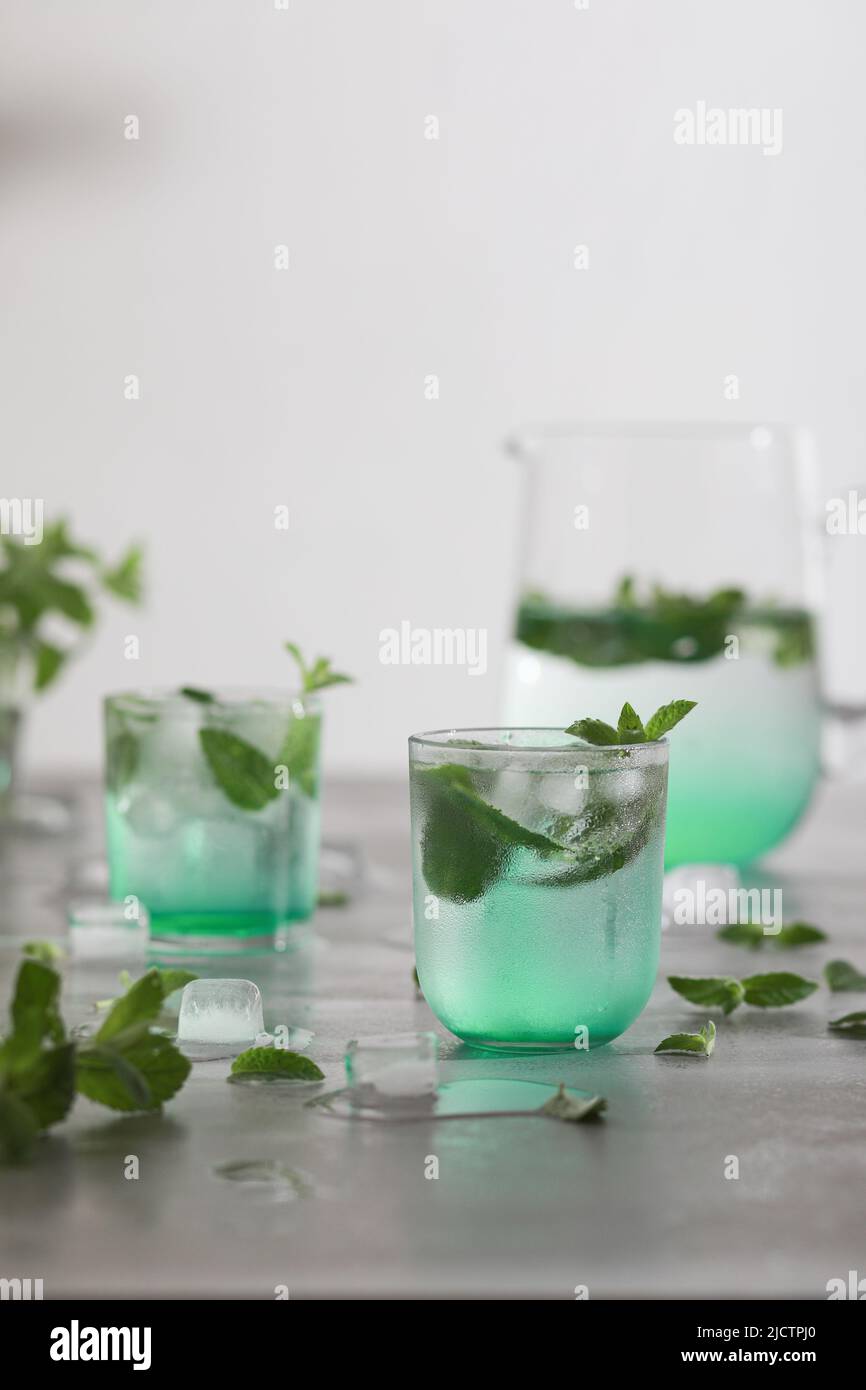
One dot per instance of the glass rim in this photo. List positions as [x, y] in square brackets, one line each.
[170, 699]
[521, 441]
[440, 739]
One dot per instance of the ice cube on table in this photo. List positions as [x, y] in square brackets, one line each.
[392, 1069]
[219, 1018]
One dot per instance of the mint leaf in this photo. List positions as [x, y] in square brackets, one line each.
[332, 899]
[465, 841]
[594, 731]
[749, 934]
[276, 1061]
[106, 1075]
[667, 717]
[752, 934]
[318, 676]
[630, 727]
[18, 1128]
[124, 580]
[139, 1006]
[201, 697]
[47, 1087]
[573, 1109]
[841, 975]
[714, 991]
[777, 989]
[850, 1025]
[243, 772]
[138, 1076]
[300, 752]
[121, 760]
[699, 1044]
[49, 660]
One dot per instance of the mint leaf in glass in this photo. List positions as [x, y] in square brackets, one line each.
[850, 1025]
[466, 843]
[300, 751]
[776, 990]
[573, 1109]
[700, 1044]
[712, 991]
[243, 772]
[594, 731]
[122, 757]
[319, 675]
[276, 1061]
[841, 975]
[200, 697]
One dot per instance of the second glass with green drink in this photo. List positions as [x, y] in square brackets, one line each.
[212, 806]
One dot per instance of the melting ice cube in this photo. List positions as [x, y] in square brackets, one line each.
[390, 1069]
[219, 1018]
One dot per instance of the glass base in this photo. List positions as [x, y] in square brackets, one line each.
[523, 1048]
[225, 944]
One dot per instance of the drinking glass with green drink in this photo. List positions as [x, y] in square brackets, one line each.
[537, 875]
[212, 809]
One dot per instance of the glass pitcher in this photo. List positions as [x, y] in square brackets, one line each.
[668, 562]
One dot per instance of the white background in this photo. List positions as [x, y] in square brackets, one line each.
[408, 257]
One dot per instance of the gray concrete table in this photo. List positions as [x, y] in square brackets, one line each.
[635, 1206]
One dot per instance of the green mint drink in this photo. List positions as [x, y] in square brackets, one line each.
[537, 870]
[743, 770]
[213, 814]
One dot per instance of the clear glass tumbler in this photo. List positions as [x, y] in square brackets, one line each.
[212, 807]
[537, 869]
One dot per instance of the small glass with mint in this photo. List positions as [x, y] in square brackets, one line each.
[212, 806]
[537, 867]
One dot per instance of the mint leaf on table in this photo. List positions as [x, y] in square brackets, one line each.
[630, 726]
[276, 1061]
[300, 752]
[713, 991]
[319, 675]
[777, 989]
[752, 934]
[48, 952]
[850, 1025]
[126, 1066]
[200, 697]
[466, 842]
[667, 717]
[337, 898]
[842, 976]
[574, 1109]
[700, 1044]
[243, 772]
[37, 1065]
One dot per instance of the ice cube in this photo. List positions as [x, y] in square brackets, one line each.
[219, 1018]
[392, 1069]
[149, 814]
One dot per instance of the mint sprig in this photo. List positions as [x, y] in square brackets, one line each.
[842, 976]
[773, 990]
[700, 1044]
[629, 728]
[319, 675]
